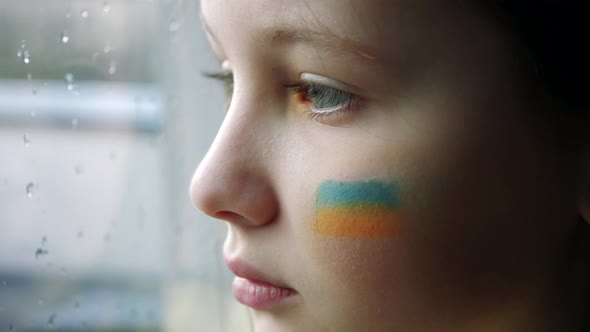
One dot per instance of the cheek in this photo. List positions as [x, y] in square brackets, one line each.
[361, 209]
[366, 280]
[356, 240]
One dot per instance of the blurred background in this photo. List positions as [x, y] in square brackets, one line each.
[103, 117]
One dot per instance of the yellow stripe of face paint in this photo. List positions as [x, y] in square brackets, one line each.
[357, 221]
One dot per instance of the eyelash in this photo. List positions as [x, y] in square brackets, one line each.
[306, 91]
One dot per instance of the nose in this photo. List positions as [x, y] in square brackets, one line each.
[233, 182]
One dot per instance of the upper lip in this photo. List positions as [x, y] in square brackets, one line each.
[241, 269]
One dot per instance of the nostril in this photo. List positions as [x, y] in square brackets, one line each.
[232, 217]
[225, 215]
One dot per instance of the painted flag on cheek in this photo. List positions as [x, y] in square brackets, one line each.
[357, 209]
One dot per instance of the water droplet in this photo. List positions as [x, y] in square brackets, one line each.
[65, 38]
[107, 48]
[4, 284]
[40, 302]
[30, 189]
[68, 13]
[29, 76]
[79, 169]
[27, 141]
[106, 8]
[11, 328]
[40, 252]
[44, 240]
[51, 319]
[112, 68]
[76, 304]
[107, 237]
[23, 54]
[63, 270]
[69, 78]
[80, 234]
[173, 26]
[34, 91]
[26, 57]
[74, 123]
[84, 13]
[33, 114]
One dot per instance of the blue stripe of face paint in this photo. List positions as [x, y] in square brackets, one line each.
[334, 193]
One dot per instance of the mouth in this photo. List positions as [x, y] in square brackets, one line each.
[253, 289]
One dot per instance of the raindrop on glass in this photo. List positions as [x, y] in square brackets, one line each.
[4, 283]
[30, 189]
[107, 237]
[65, 38]
[51, 319]
[34, 91]
[40, 302]
[29, 76]
[26, 139]
[84, 13]
[23, 54]
[69, 78]
[26, 56]
[106, 8]
[79, 169]
[74, 123]
[112, 68]
[173, 26]
[33, 114]
[11, 328]
[40, 252]
[107, 48]
[44, 240]
[80, 235]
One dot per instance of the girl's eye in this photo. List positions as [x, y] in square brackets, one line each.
[322, 101]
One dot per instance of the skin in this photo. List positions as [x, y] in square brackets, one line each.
[490, 195]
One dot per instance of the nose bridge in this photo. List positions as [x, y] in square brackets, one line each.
[232, 181]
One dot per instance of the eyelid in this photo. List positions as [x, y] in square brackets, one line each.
[309, 77]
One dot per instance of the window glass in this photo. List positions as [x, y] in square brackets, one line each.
[103, 118]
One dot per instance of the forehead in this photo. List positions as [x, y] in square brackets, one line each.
[354, 19]
[387, 25]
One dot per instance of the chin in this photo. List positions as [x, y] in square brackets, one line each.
[264, 321]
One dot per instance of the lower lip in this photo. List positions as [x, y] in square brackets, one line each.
[260, 295]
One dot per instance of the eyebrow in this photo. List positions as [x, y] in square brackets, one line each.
[323, 39]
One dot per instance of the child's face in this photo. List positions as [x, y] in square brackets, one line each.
[433, 199]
